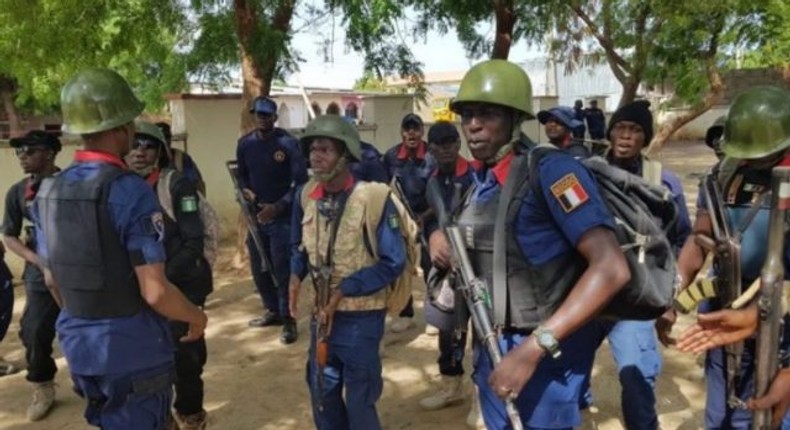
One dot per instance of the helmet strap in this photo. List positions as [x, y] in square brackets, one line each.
[340, 166]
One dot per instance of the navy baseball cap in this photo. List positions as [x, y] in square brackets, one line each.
[564, 114]
[411, 119]
[37, 138]
[443, 132]
[263, 105]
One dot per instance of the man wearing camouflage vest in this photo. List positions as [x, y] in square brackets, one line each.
[332, 241]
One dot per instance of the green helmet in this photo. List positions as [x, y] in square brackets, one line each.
[499, 82]
[149, 129]
[334, 127]
[758, 123]
[95, 100]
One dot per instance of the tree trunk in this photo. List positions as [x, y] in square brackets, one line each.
[505, 21]
[630, 87]
[8, 89]
[714, 96]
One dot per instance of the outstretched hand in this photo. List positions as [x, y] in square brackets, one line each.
[718, 329]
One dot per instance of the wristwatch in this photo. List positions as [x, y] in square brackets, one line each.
[547, 341]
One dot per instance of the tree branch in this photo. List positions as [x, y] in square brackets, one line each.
[505, 21]
[606, 43]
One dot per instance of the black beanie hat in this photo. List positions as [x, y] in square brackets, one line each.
[638, 112]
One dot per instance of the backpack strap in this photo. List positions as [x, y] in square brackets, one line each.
[163, 192]
[651, 171]
[378, 194]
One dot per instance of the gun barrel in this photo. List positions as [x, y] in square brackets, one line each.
[769, 304]
[475, 295]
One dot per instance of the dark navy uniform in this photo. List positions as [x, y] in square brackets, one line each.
[451, 347]
[543, 236]
[187, 269]
[120, 352]
[738, 193]
[40, 313]
[6, 298]
[370, 168]
[271, 169]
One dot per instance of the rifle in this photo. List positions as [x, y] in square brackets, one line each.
[321, 276]
[769, 305]
[396, 186]
[248, 210]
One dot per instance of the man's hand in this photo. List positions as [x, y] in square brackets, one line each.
[516, 369]
[777, 398]
[326, 316]
[248, 195]
[718, 329]
[196, 328]
[439, 250]
[267, 213]
[294, 286]
[664, 325]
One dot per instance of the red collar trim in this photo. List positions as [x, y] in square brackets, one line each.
[461, 167]
[153, 177]
[403, 152]
[785, 161]
[88, 156]
[319, 192]
[500, 170]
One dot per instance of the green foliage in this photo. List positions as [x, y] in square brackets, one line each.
[45, 42]
[771, 44]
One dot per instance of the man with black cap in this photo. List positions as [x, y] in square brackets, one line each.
[596, 121]
[410, 164]
[271, 166]
[560, 124]
[578, 114]
[452, 177]
[633, 343]
[36, 152]
[714, 134]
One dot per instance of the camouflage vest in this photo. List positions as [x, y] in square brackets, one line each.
[350, 252]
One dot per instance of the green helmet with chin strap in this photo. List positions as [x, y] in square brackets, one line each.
[333, 127]
[150, 129]
[498, 82]
[758, 124]
[96, 100]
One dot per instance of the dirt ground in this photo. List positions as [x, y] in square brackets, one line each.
[254, 383]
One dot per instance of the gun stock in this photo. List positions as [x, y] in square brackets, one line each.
[478, 302]
[769, 304]
[396, 186]
[249, 219]
[321, 277]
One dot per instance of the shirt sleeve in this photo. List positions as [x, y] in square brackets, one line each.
[391, 259]
[13, 216]
[298, 254]
[572, 196]
[298, 172]
[241, 167]
[134, 210]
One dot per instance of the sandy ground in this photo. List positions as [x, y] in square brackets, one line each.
[253, 382]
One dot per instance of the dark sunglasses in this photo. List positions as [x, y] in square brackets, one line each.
[145, 143]
[28, 150]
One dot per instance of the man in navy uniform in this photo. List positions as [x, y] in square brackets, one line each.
[99, 239]
[559, 123]
[411, 165]
[271, 166]
[36, 151]
[550, 267]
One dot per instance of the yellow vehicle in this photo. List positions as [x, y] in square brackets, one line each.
[440, 108]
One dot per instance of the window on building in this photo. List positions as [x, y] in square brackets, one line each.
[352, 111]
[316, 108]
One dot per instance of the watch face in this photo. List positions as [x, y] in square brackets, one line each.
[546, 339]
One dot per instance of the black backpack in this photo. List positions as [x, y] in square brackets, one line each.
[645, 215]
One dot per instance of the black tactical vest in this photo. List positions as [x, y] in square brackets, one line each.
[531, 294]
[86, 257]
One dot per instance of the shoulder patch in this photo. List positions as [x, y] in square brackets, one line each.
[158, 226]
[569, 192]
[189, 204]
[392, 221]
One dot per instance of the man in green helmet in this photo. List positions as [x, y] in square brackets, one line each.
[545, 247]
[346, 234]
[100, 232]
[756, 139]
